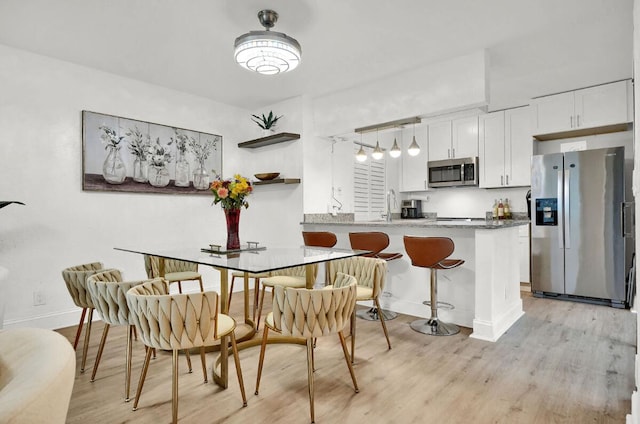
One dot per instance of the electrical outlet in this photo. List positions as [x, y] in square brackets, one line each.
[39, 298]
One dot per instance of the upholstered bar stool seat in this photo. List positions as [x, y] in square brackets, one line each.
[432, 253]
[376, 242]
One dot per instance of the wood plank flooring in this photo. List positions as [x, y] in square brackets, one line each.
[563, 362]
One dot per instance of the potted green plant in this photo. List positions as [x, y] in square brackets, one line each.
[267, 123]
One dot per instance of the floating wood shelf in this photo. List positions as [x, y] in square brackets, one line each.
[279, 181]
[269, 140]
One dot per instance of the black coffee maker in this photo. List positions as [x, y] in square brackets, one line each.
[528, 197]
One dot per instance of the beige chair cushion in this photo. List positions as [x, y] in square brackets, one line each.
[171, 266]
[371, 274]
[181, 276]
[312, 313]
[37, 371]
[75, 278]
[108, 293]
[178, 321]
[285, 281]
[240, 274]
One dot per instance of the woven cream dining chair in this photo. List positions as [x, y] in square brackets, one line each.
[75, 278]
[370, 274]
[177, 322]
[175, 271]
[295, 277]
[108, 293]
[310, 314]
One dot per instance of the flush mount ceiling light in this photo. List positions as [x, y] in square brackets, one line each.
[267, 52]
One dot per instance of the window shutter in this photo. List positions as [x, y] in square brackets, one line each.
[368, 186]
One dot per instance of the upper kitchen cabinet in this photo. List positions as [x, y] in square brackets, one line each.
[594, 110]
[455, 138]
[414, 168]
[506, 147]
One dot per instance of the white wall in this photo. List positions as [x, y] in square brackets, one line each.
[61, 225]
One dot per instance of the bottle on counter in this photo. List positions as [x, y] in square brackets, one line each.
[507, 209]
[500, 210]
[494, 209]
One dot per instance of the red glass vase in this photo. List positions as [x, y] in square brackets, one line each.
[233, 222]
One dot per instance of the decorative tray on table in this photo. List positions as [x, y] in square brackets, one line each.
[220, 249]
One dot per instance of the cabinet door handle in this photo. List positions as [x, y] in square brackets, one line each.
[501, 179]
[577, 121]
[449, 153]
[507, 178]
[571, 121]
[453, 153]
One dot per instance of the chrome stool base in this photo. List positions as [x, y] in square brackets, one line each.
[434, 327]
[371, 314]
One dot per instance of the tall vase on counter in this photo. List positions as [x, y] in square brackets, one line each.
[233, 225]
[231, 193]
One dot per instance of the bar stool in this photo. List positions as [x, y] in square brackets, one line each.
[376, 242]
[431, 252]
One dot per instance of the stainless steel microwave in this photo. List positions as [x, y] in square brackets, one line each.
[453, 172]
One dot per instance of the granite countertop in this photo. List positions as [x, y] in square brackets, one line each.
[471, 223]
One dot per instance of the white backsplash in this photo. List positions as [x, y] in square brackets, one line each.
[468, 202]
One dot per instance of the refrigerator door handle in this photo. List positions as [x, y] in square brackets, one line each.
[567, 209]
[560, 209]
[623, 219]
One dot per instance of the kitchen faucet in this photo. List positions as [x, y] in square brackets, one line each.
[395, 204]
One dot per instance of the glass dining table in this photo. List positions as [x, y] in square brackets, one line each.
[248, 260]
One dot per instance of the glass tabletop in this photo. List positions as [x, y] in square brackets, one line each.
[255, 261]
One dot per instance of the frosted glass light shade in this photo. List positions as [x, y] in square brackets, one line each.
[361, 156]
[413, 149]
[267, 52]
[377, 153]
[395, 151]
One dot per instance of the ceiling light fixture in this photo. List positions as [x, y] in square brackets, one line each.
[377, 152]
[414, 149]
[267, 52]
[361, 156]
[395, 151]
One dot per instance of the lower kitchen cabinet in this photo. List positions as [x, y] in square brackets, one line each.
[524, 250]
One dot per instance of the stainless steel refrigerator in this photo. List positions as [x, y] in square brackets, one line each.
[578, 226]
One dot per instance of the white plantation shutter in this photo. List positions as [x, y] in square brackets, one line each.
[368, 187]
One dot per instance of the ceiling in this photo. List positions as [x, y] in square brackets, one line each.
[535, 46]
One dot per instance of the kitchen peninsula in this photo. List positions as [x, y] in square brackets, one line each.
[485, 290]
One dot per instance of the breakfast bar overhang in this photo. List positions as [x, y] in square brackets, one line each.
[485, 290]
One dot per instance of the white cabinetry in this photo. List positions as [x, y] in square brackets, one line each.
[456, 138]
[607, 107]
[414, 168]
[523, 245]
[506, 146]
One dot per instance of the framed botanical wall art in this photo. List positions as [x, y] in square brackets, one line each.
[121, 154]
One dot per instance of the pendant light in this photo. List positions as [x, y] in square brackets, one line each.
[413, 149]
[377, 152]
[267, 52]
[395, 151]
[361, 156]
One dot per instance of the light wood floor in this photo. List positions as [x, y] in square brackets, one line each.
[562, 362]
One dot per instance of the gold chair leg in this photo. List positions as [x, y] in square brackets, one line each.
[384, 325]
[135, 333]
[143, 375]
[174, 387]
[127, 384]
[201, 286]
[353, 336]
[87, 335]
[236, 359]
[263, 347]
[256, 292]
[80, 325]
[203, 359]
[346, 358]
[188, 358]
[105, 332]
[180, 287]
[233, 279]
[260, 307]
[310, 377]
